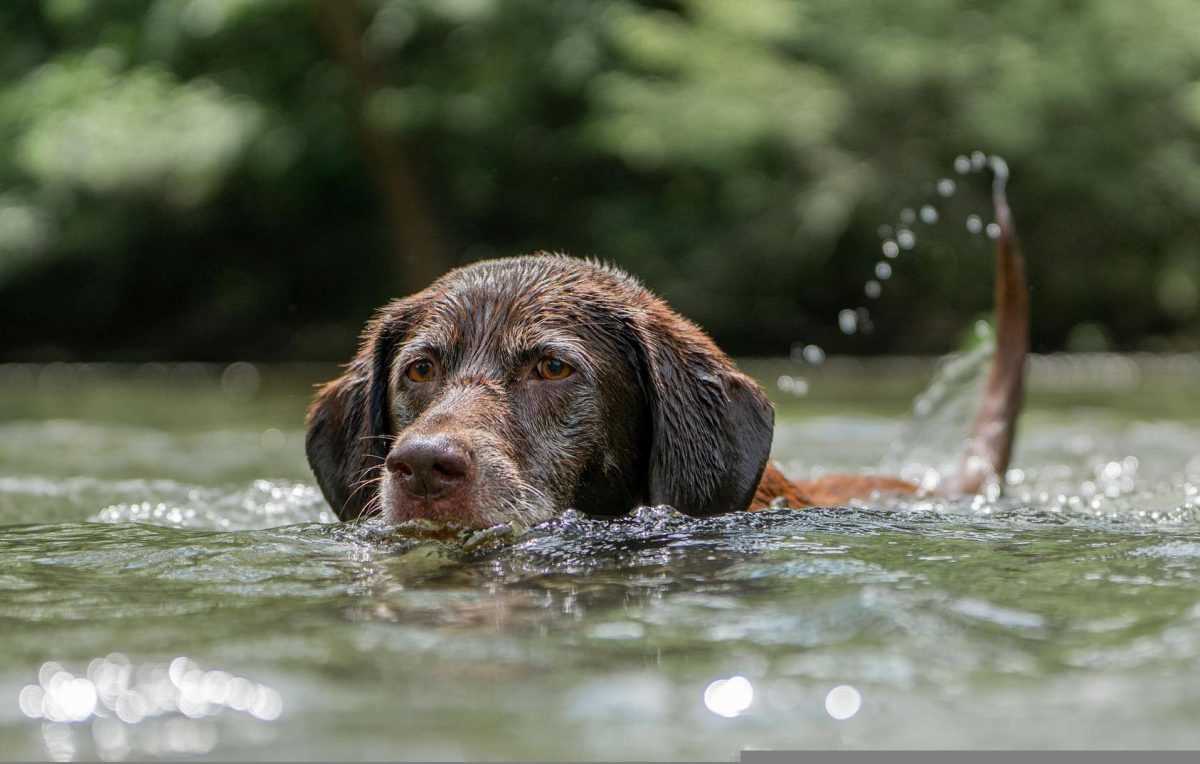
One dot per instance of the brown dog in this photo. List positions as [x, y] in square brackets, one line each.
[513, 389]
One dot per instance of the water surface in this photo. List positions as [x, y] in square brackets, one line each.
[172, 584]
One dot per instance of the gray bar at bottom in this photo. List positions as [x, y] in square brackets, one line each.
[970, 757]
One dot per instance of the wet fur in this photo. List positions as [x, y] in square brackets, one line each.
[655, 414]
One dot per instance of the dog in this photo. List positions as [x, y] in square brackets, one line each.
[511, 390]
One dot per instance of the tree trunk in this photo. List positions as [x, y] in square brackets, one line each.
[415, 237]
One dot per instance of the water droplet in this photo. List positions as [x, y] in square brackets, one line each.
[848, 321]
[993, 230]
[797, 386]
[999, 166]
[908, 216]
[962, 165]
[890, 248]
[884, 231]
[883, 271]
[929, 214]
[946, 187]
[905, 239]
[978, 160]
[873, 289]
[974, 223]
[814, 355]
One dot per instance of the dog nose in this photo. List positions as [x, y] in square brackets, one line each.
[428, 467]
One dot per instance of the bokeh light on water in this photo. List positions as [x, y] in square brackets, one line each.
[729, 697]
[843, 702]
[117, 709]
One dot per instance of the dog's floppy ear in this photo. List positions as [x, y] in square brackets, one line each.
[711, 424]
[349, 421]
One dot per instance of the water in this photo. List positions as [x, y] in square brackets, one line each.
[171, 584]
[901, 238]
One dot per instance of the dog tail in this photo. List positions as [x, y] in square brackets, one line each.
[989, 446]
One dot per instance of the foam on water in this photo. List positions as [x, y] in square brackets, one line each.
[264, 504]
[260, 504]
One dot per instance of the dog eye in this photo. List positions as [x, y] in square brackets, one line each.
[553, 369]
[420, 371]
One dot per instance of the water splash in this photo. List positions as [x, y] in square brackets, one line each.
[262, 504]
[810, 354]
[934, 440]
[814, 355]
[900, 238]
[797, 386]
[848, 321]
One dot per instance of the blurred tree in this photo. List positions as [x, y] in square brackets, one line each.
[415, 236]
[218, 178]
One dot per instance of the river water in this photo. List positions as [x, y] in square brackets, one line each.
[172, 585]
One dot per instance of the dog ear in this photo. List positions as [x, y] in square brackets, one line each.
[349, 422]
[711, 424]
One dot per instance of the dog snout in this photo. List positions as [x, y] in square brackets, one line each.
[430, 467]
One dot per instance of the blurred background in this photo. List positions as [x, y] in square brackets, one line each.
[221, 179]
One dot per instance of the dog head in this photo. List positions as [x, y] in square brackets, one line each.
[513, 389]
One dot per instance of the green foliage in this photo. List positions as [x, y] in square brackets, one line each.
[211, 178]
[87, 126]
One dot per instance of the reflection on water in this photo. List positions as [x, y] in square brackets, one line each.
[729, 697]
[265, 503]
[843, 702]
[1065, 613]
[109, 703]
